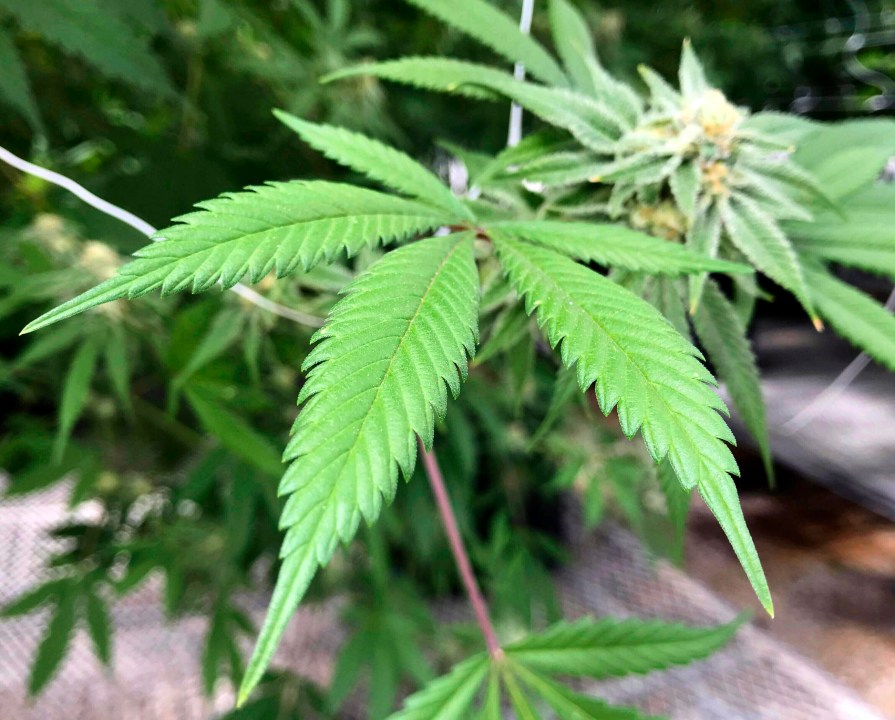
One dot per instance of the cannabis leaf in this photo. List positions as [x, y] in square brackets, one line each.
[615, 245]
[498, 31]
[855, 315]
[377, 160]
[376, 380]
[642, 366]
[723, 335]
[278, 228]
[609, 648]
[584, 648]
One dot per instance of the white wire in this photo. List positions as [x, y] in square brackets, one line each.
[145, 228]
[514, 133]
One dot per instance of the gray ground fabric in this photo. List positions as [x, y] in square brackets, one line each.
[156, 675]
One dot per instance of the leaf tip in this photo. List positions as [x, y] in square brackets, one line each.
[818, 323]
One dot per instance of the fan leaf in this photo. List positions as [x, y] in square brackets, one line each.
[642, 366]
[376, 379]
[616, 246]
[278, 228]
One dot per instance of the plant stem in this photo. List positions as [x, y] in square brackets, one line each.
[458, 549]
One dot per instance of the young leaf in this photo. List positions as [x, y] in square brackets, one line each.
[760, 239]
[615, 246]
[36, 597]
[378, 161]
[74, 393]
[691, 75]
[118, 367]
[501, 33]
[55, 641]
[448, 697]
[684, 183]
[376, 380]
[99, 624]
[610, 648]
[857, 316]
[640, 364]
[703, 237]
[277, 227]
[721, 331]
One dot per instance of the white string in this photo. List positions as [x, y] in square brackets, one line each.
[145, 228]
[514, 133]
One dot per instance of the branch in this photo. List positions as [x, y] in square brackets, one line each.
[458, 549]
[145, 228]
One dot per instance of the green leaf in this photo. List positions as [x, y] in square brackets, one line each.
[677, 504]
[723, 335]
[234, 433]
[510, 327]
[118, 366]
[565, 389]
[15, 90]
[761, 240]
[642, 366]
[690, 74]
[277, 227]
[864, 238]
[448, 697]
[74, 393]
[685, 185]
[609, 647]
[378, 161]
[35, 598]
[376, 380]
[570, 705]
[84, 28]
[54, 644]
[854, 315]
[99, 624]
[501, 33]
[704, 238]
[615, 246]
[661, 92]
[573, 42]
[223, 332]
[593, 123]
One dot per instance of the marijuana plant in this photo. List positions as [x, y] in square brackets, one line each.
[658, 192]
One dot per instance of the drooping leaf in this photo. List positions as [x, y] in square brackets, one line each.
[377, 379]
[855, 315]
[74, 393]
[99, 625]
[377, 160]
[278, 228]
[642, 366]
[609, 647]
[723, 335]
[55, 642]
[484, 22]
[615, 246]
